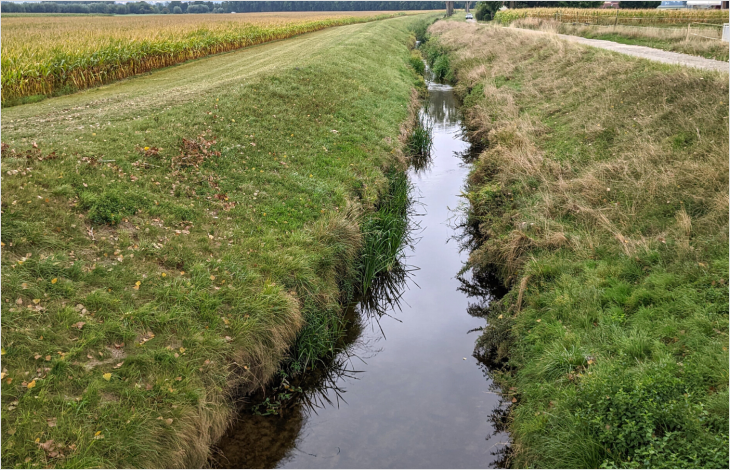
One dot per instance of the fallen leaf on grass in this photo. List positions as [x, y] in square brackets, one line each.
[79, 325]
[168, 421]
[107, 376]
[51, 422]
[47, 446]
[31, 384]
[118, 365]
[36, 301]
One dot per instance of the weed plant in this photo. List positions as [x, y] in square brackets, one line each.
[438, 60]
[420, 30]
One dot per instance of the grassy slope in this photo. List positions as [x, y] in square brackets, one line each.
[222, 262]
[602, 200]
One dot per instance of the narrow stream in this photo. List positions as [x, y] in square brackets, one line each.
[404, 391]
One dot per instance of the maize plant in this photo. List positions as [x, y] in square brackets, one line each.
[611, 16]
[42, 55]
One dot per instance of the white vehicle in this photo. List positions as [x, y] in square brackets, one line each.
[469, 16]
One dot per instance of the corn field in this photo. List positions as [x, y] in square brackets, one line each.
[609, 16]
[47, 54]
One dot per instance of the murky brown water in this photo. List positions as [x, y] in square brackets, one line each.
[404, 393]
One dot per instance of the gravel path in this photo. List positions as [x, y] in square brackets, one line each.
[647, 53]
[652, 54]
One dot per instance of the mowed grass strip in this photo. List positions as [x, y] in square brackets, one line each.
[51, 55]
[601, 200]
[157, 256]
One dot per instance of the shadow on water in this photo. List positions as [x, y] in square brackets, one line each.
[413, 398]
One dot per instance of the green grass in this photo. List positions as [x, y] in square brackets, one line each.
[215, 205]
[607, 219]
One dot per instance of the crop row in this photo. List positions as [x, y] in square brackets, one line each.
[48, 69]
[609, 16]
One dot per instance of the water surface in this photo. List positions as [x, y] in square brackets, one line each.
[405, 392]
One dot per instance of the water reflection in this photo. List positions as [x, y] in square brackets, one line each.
[420, 398]
[267, 441]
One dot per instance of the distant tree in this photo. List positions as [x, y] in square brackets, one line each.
[141, 7]
[638, 4]
[198, 9]
[485, 10]
[165, 11]
[177, 10]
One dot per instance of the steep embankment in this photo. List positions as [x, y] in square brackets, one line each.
[167, 238]
[601, 199]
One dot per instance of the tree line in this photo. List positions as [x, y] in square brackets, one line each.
[179, 7]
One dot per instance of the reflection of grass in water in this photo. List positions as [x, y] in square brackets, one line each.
[386, 290]
[486, 288]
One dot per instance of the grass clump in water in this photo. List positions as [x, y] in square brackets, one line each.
[419, 143]
[386, 231]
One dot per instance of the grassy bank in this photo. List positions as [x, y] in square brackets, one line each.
[166, 239]
[703, 41]
[601, 200]
[55, 55]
